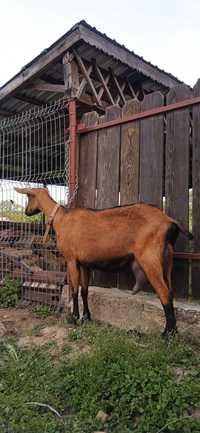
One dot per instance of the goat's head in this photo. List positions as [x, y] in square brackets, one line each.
[36, 197]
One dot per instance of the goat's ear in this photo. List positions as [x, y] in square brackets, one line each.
[25, 191]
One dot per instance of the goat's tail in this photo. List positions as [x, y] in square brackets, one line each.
[184, 231]
[174, 231]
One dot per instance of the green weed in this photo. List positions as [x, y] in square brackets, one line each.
[133, 379]
[9, 292]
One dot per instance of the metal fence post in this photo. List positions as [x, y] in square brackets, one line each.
[73, 150]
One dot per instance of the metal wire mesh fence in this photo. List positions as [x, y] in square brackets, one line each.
[34, 151]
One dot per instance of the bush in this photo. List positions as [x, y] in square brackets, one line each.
[9, 292]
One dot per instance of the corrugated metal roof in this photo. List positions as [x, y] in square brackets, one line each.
[104, 35]
[90, 43]
[93, 29]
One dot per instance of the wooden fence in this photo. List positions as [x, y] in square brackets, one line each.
[155, 160]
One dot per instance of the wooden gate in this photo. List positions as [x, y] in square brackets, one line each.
[154, 159]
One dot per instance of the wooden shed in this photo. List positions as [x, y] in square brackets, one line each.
[82, 71]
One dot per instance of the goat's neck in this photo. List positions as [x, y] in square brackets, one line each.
[47, 207]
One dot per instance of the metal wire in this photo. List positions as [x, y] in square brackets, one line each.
[34, 151]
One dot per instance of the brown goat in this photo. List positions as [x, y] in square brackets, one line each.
[138, 234]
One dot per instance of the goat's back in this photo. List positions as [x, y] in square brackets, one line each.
[103, 234]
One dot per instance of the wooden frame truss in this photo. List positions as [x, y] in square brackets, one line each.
[92, 85]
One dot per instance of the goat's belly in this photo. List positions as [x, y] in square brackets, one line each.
[109, 265]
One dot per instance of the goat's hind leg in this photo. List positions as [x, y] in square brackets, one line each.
[153, 269]
[74, 276]
[168, 266]
[85, 278]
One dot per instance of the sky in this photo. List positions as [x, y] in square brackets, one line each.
[167, 33]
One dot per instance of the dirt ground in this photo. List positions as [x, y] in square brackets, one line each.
[29, 329]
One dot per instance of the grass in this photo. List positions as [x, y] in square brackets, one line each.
[144, 384]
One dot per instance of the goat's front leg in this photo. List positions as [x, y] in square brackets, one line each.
[85, 278]
[74, 277]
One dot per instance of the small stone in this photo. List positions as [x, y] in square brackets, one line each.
[102, 416]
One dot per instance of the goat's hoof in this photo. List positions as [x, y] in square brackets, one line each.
[169, 333]
[135, 291]
[72, 319]
[85, 318]
[75, 318]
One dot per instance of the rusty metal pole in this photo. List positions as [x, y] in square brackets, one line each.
[72, 177]
[71, 80]
[73, 150]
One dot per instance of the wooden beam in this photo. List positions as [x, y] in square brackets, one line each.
[50, 80]
[118, 87]
[119, 96]
[71, 75]
[28, 99]
[102, 89]
[40, 85]
[84, 82]
[87, 77]
[104, 84]
[133, 94]
[6, 113]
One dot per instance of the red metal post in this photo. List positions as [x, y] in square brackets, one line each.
[72, 175]
[73, 150]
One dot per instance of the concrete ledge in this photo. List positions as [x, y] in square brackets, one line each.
[142, 311]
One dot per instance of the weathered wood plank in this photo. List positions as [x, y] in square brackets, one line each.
[119, 89]
[83, 83]
[40, 85]
[87, 76]
[152, 152]
[196, 192]
[108, 177]
[71, 75]
[177, 178]
[88, 164]
[104, 84]
[129, 173]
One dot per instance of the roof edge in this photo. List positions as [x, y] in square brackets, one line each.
[73, 35]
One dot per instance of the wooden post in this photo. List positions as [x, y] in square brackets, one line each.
[71, 81]
[71, 75]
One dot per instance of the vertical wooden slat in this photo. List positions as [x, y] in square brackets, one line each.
[196, 192]
[151, 152]
[88, 164]
[129, 167]
[108, 177]
[129, 173]
[177, 178]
